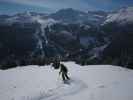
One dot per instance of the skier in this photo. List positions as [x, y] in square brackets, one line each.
[64, 71]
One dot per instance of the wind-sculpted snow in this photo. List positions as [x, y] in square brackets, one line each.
[99, 82]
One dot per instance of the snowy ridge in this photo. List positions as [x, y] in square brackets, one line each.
[99, 82]
[124, 15]
[22, 18]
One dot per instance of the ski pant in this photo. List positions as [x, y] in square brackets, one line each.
[65, 76]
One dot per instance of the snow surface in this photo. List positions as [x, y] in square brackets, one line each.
[97, 82]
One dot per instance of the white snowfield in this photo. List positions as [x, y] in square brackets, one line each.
[99, 82]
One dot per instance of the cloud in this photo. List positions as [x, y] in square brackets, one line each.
[57, 4]
[77, 4]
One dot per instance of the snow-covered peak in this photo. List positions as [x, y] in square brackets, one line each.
[21, 18]
[47, 22]
[126, 9]
[29, 17]
[26, 14]
[122, 16]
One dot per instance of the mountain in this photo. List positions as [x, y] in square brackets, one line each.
[119, 28]
[37, 38]
[26, 37]
[119, 50]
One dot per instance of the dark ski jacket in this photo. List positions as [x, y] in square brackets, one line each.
[63, 69]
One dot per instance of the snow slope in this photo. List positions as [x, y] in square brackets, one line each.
[99, 82]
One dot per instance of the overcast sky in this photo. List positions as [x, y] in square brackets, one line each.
[11, 6]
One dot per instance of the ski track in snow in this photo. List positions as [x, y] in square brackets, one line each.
[56, 93]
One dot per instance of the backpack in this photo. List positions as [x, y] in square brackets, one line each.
[56, 65]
